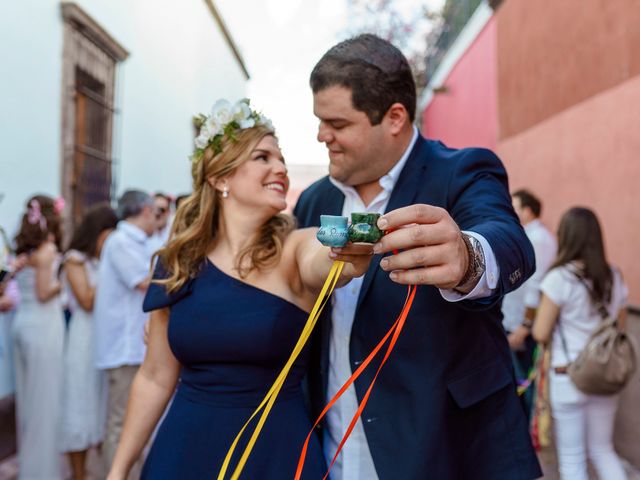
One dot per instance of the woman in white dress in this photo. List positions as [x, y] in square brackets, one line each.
[38, 336]
[579, 278]
[84, 387]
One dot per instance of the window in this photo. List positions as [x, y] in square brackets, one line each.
[90, 58]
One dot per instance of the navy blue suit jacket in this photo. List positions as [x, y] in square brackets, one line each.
[445, 403]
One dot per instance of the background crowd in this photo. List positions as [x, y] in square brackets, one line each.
[77, 323]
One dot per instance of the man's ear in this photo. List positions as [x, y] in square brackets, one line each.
[397, 118]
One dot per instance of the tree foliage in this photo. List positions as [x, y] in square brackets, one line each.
[422, 33]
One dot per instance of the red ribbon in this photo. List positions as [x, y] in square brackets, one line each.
[394, 333]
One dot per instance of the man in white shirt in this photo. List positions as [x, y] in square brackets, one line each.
[519, 307]
[123, 279]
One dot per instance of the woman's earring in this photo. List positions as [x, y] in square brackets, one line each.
[225, 191]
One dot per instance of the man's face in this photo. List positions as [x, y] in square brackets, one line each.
[354, 144]
[522, 212]
[161, 211]
[148, 218]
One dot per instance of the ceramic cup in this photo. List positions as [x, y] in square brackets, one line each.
[334, 231]
[364, 228]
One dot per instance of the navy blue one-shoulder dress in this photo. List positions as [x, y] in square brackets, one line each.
[232, 340]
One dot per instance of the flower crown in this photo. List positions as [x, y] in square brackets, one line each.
[226, 120]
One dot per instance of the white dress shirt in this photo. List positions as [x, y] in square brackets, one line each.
[516, 302]
[355, 461]
[119, 319]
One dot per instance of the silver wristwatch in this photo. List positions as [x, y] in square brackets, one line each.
[476, 267]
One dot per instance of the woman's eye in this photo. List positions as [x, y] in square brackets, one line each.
[262, 158]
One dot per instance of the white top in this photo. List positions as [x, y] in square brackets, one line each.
[355, 461]
[160, 237]
[578, 317]
[119, 319]
[527, 295]
[91, 268]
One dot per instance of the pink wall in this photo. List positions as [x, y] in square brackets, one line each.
[588, 155]
[467, 115]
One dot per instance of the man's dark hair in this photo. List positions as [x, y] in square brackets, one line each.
[131, 203]
[162, 195]
[375, 71]
[528, 199]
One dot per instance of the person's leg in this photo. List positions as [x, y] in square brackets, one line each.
[120, 380]
[567, 410]
[601, 412]
[77, 463]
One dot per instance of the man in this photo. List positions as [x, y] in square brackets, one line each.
[445, 404]
[519, 307]
[162, 203]
[123, 279]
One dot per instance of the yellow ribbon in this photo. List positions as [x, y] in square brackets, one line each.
[270, 397]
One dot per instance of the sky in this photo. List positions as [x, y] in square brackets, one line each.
[281, 41]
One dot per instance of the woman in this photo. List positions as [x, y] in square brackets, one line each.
[38, 336]
[579, 278]
[84, 387]
[238, 287]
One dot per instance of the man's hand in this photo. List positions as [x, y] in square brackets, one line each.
[432, 251]
[517, 338]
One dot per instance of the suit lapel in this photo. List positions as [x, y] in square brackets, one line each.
[403, 194]
[335, 201]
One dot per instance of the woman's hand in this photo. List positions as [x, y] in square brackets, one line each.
[357, 257]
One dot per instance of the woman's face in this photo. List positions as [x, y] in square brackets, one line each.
[261, 182]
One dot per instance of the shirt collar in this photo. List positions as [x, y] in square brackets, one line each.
[133, 231]
[532, 225]
[388, 181]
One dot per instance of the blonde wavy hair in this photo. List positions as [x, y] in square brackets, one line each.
[196, 222]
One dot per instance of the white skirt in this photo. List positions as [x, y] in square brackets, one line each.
[84, 388]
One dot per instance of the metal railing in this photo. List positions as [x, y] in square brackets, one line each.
[454, 17]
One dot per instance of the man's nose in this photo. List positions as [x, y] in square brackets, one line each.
[324, 134]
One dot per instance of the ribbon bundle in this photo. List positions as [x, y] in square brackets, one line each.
[394, 333]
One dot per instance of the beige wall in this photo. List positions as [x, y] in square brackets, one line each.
[588, 155]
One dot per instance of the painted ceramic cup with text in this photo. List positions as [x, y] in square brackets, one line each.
[334, 231]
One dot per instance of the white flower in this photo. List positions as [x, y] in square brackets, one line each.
[213, 127]
[247, 123]
[222, 112]
[241, 111]
[209, 129]
[202, 140]
[266, 122]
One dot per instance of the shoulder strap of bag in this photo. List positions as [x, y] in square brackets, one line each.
[602, 310]
[563, 340]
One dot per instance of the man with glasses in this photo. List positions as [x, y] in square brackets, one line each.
[162, 204]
